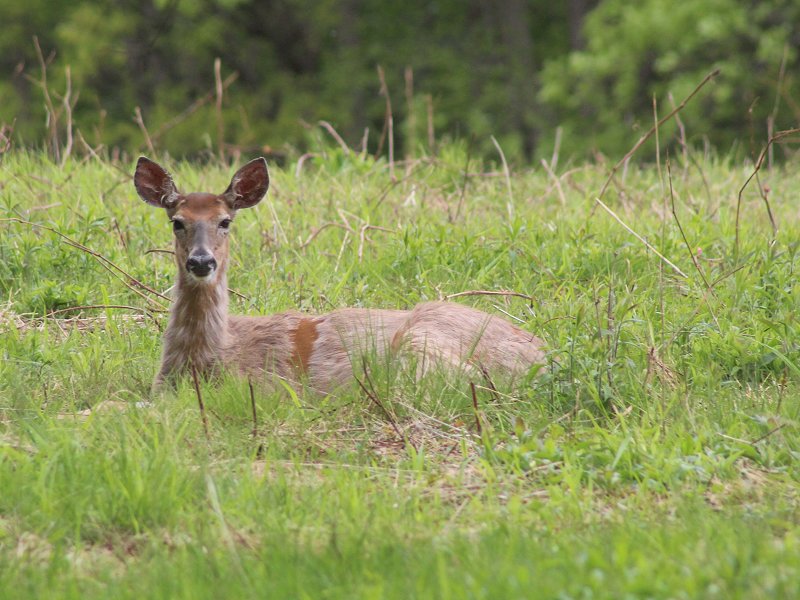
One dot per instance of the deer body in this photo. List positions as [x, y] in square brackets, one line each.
[324, 349]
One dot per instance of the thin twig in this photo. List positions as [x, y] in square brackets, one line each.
[476, 409]
[388, 127]
[709, 288]
[100, 258]
[253, 406]
[507, 173]
[683, 234]
[126, 281]
[238, 295]
[508, 314]
[678, 330]
[335, 135]
[200, 401]
[489, 293]
[687, 155]
[301, 161]
[315, 232]
[52, 115]
[774, 114]
[120, 235]
[140, 122]
[219, 90]
[778, 136]
[147, 311]
[363, 237]
[464, 182]
[386, 189]
[755, 441]
[734, 439]
[653, 129]
[411, 114]
[68, 105]
[374, 398]
[194, 107]
[556, 182]
[681, 130]
[109, 166]
[362, 234]
[431, 136]
[641, 239]
[556, 148]
[6, 136]
[487, 376]
[769, 433]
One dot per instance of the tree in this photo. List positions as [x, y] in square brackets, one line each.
[655, 48]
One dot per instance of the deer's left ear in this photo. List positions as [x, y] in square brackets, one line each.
[248, 186]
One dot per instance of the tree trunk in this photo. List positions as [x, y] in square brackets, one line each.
[515, 32]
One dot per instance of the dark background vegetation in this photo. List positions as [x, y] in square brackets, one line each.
[529, 72]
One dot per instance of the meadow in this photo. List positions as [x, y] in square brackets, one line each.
[656, 454]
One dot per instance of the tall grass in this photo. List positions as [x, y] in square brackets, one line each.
[655, 455]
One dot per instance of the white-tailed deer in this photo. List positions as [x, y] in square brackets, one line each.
[322, 349]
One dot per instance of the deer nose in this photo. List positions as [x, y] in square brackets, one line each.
[201, 264]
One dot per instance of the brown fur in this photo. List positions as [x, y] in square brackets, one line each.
[325, 349]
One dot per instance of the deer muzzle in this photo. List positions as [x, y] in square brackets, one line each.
[201, 265]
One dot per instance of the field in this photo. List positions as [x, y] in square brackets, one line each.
[657, 454]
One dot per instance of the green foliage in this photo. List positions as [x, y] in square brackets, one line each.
[662, 50]
[516, 70]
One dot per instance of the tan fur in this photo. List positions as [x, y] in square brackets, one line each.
[324, 349]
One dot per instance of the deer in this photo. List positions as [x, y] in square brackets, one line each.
[321, 350]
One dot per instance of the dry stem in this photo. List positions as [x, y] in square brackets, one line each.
[219, 90]
[335, 135]
[140, 122]
[388, 126]
[200, 401]
[778, 136]
[507, 173]
[653, 130]
[194, 107]
[683, 234]
[478, 426]
[374, 398]
[641, 239]
[463, 183]
[489, 293]
[431, 136]
[253, 406]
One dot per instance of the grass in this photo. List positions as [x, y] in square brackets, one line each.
[655, 455]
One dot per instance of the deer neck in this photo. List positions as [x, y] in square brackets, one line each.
[197, 334]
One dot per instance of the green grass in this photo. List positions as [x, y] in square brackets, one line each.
[655, 455]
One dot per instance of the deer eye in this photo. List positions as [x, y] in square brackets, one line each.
[177, 225]
[225, 223]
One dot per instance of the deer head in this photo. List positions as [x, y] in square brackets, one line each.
[201, 221]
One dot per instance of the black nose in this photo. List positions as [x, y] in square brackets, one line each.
[201, 265]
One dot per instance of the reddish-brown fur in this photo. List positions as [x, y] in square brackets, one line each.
[303, 338]
[323, 349]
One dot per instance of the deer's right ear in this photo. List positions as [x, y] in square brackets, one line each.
[154, 184]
